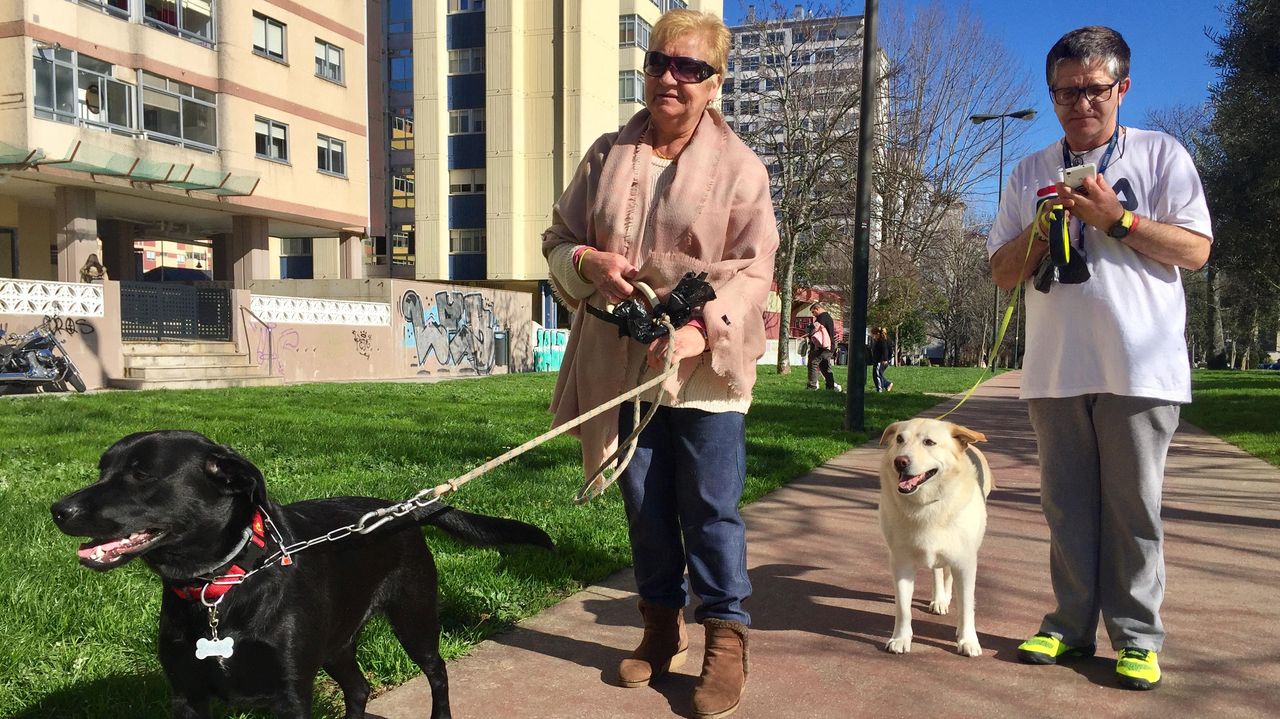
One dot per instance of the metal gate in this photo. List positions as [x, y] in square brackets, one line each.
[165, 311]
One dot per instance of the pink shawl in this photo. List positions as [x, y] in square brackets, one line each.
[717, 217]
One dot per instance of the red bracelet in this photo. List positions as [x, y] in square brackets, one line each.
[578, 253]
[1134, 226]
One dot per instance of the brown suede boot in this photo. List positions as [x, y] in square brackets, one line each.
[664, 646]
[724, 670]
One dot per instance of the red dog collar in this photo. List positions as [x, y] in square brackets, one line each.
[251, 555]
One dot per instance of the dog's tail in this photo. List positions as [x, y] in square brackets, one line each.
[481, 529]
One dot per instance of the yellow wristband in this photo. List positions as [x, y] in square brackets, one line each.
[579, 267]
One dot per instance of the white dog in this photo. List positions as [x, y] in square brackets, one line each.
[933, 488]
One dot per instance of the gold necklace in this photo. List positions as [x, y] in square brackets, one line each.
[663, 156]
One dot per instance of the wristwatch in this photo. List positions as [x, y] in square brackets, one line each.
[1121, 228]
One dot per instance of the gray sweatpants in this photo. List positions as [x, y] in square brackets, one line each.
[1102, 460]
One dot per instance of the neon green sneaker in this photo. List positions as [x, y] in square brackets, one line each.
[1137, 668]
[1045, 648]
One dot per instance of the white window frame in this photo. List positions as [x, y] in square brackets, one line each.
[404, 125]
[65, 65]
[468, 241]
[110, 7]
[459, 6]
[180, 28]
[327, 148]
[467, 122]
[466, 61]
[467, 182]
[630, 86]
[403, 187]
[262, 27]
[330, 62]
[271, 126]
[185, 96]
[634, 31]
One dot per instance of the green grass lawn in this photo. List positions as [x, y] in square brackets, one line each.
[1241, 407]
[82, 644]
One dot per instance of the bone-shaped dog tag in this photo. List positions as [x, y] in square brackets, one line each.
[206, 648]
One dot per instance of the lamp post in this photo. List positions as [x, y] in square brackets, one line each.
[1024, 114]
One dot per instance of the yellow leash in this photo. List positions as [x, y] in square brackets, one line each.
[1036, 231]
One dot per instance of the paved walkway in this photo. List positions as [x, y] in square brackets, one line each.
[823, 607]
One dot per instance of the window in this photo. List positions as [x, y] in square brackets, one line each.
[677, 4]
[268, 37]
[466, 61]
[800, 59]
[401, 67]
[774, 60]
[630, 86]
[113, 7]
[78, 89]
[176, 112]
[331, 156]
[728, 88]
[727, 107]
[775, 37]
[825, 56]
[749, 107]
[467, 241]
[271, 139]
[466, 122]
[402, 187]
[466, 5]
[295, 246]
[328, 61]
[466, 182]
[402, 246]
[749, 40]
[191, 19]
[402, 130]
[400, 16]
[633, 31]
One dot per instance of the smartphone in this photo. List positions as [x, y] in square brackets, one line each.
[1074, 177]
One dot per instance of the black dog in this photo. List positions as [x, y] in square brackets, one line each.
[197, 513]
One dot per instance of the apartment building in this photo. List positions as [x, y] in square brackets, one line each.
[236, 128]
[480, 110]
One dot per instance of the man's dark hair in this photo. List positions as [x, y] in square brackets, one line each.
[1095, 42]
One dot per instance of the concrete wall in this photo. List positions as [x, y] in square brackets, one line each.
[93, 342]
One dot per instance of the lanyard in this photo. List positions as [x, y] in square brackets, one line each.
[1068, 160]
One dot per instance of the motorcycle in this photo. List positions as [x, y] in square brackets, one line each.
[37, 358]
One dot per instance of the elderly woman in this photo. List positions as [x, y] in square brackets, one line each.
[674, 191]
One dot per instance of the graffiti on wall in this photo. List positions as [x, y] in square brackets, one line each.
[548, 351]
[272, 343]
[459, 328]
[67, 326]
[364, 342]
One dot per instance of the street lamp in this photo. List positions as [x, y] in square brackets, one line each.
[1025, 114]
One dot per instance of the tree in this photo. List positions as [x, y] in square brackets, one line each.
[795, 96]
[1242, 167]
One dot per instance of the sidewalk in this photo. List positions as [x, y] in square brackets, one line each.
[823, 608]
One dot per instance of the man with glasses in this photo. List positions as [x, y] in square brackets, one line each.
[1106, 365]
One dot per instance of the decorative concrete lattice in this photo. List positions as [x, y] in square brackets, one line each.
[55, 299]
[307, 311]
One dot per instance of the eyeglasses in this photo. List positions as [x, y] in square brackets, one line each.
[685, 70]
[1093, 93]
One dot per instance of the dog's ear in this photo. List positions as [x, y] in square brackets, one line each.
[966, 436]
[228, 467]
[889, 431]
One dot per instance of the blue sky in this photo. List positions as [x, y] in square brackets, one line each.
[1169, 66]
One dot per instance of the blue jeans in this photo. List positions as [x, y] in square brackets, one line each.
[681, 493]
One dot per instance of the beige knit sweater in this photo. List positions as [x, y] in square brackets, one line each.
[715, 216]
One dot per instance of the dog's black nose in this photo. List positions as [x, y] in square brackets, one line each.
[64, 511]
[901, 462]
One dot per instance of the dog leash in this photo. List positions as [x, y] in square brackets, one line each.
[1036, 232]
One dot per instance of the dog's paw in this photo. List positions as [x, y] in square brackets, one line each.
[940, 606]
[969, 647]
[898, 645]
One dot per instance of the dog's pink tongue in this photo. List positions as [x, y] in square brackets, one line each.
[110, 546]
[909, 483]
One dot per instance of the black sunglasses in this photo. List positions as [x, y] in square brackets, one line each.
[685, 70]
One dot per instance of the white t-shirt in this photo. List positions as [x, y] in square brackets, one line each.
[1121, 331]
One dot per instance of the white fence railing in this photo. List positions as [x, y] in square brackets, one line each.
[65, 299]
[310, 311]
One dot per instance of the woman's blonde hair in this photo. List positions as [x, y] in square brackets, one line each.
[678, 23]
